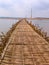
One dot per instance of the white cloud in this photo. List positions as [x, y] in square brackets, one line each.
[4, 12]
[23, 8]
[6, 1]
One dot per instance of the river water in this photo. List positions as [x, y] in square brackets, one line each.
[43, 24]
[5, 25]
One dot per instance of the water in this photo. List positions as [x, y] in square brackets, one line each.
[43, 24]
[5, 25]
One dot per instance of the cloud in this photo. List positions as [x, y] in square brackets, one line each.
[5, 1]
[22, 8]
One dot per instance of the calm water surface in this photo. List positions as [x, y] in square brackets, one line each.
[43, 24]
[5, 25]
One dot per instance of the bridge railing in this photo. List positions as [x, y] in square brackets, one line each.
[4, 40]
[40, 32]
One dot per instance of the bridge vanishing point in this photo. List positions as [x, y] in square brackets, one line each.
[25, 47]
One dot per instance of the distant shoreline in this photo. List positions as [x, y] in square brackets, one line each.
[38, 18]
[17, 18]
[41, 18]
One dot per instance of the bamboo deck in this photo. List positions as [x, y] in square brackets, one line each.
[26, 47]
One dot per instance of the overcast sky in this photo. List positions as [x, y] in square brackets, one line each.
[22, 8]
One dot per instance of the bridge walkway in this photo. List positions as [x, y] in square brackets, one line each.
[26, 47]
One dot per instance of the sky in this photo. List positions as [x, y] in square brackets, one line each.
[22, 8]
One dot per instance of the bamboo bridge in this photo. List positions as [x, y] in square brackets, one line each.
[25, 47]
